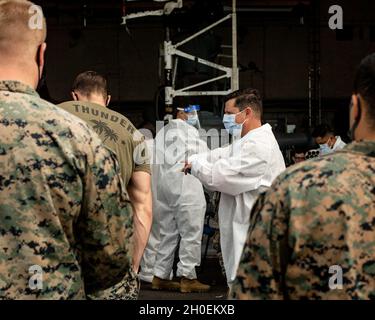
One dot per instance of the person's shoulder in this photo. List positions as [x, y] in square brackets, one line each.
[75, 110]
[77, 107]
[121, 120]
[314, 169]
[175, 123]
[67, 125]
[124, 127]
[262, 145]
[63, 116]
[45, 112]
[68, 110]
[261, 137]
[124, 119]
[68, 105]
[45, 118]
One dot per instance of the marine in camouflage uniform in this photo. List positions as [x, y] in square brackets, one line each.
[63, 205]
[318, 214]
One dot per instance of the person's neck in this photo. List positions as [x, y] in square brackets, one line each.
[94, 101]
[366, 137]
[364, 133]
[249, 126]
[24, 76]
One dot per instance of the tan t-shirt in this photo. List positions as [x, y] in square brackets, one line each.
[117, 133]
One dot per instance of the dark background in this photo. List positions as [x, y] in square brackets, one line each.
[279, 42]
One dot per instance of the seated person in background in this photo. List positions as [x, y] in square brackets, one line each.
[90, 103]
[326, 139]
[298, 155]
[312, 234]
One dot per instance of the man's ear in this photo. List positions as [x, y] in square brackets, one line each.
[109, 97]
[354, 109]
[74, 96]
[249, 112]
[41, 58]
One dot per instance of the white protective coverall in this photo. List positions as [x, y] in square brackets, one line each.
[148, 260]
[240, 172]
[181, 199]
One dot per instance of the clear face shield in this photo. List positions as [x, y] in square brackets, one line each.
[192, 115]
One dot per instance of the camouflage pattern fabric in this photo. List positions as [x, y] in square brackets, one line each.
[127, 289]
[63, 206]
[216, 244]
[318, 215]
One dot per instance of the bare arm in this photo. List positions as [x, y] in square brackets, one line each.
[139, 190]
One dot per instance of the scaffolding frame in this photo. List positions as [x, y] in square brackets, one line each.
[171, 50]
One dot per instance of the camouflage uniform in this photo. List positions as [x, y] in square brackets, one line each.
[127, 289]
[63, 205]
[318, 214]
[216, 237]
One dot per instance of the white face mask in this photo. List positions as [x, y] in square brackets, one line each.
[325, 148]
[230, 124]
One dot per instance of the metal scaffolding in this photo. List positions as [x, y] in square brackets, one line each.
[171, 51]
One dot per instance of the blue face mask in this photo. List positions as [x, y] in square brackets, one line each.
[231, 125]
[325, 149]
[192, 120]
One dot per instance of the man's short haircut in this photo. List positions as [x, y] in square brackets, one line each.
[90, 82]
[364, 84]
[322, 130]
[247, 98]
[297, 150]
[18, 35]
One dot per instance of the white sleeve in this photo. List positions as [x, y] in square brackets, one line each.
[211, 156]
[187, 139]
[194, 144]
[235, 174]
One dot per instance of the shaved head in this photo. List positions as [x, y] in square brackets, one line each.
[22, 42]
[22, 30]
